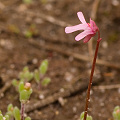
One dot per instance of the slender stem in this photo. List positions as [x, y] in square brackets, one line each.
[22, 110]
[91, 76]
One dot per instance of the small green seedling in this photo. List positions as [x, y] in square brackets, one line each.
[28, 34]
[27, 1]
[25, 91]
[39, 74]
[46, 81]
[12, 113]
[82, 117]
[13, 29]
[116, 113]
[44, 1]
[16, 113]
[43, 67]
[26, 74]
[9, 112]
[31, 31]
[2, 117]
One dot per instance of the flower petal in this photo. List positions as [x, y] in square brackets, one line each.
[87, 38]
[83, 34]
[81, 17]
[75, 28]
[93, 25]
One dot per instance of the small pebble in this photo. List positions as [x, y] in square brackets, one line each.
[57, 112]
[62, 90]
[35, 61]
[22, 8]
[119, 90]
[2, 95]
[115, 2]
[73, 70]
[68, 76]
[7, 44]
[71, 58]
[104, 44]
[48, 7]
[74, 109]
[12, 66]
[102, 104]
[41, 97]
[91, 92]
[25, 115]
[61, 101]
[102, 90]
[38, 21]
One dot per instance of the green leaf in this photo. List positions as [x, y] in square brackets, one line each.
[23, 95]
[82, 117]
[28, 33]
[7, 117]
[43, 67]
[13, 29]
[25, 69]
[15, 82]
[116, 108]
[30, 92]
[21, 86]
[116, 113]
[9, 113]
[25, 74]
[37, 76]
[46, 81]
[44, 1]
[1, 117]
[21, 75]
[27, 118]
[10, 107]
[30, 76]
[16, 113]
[89, 118]
[27, 1]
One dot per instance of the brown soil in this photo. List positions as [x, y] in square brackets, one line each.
[16, 52]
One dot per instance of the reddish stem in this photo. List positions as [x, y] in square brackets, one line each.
[22, 110]
[91, 77]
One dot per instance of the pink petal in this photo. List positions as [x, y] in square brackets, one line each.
[81, 17]
[83, 34]
[93, 25]
[75, 28]
[87, 38]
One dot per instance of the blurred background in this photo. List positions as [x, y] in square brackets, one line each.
[33, 30]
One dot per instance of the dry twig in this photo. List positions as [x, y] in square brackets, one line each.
[5, 88]
[103, 87]
[48, 18]
[58, 49]
[72, 89]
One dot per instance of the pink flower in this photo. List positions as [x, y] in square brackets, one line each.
[90, 29]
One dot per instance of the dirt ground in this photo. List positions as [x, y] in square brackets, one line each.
[16, 51]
